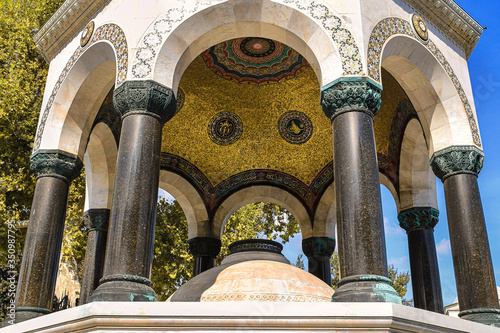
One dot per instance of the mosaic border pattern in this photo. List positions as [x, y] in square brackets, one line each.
[144, 58]
[154, 36]
[109, 32]
[392, 26]
[346, 44]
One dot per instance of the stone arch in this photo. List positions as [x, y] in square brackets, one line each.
[190, 201]
[325, 217]
[385, 181]
[100, 164]
[417, 182]
[428, 79]
[262, 193]
[174, 40]
[92, 70]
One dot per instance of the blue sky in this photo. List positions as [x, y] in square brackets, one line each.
[485, 78]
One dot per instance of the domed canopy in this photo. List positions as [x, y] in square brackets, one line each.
[254, 271]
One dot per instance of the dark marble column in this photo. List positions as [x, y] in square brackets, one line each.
[204, 251]
[419, 223]
[54, 170]
[351, 104]
[458, 168]
[96, 220]
[318, 251]
[145, 106]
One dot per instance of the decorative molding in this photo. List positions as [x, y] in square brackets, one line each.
[418, 218]
[110, 32]
[242, 297]
[448, 17]
[96, 219]
[66, 22]
[264, 245]
[128, 278]
[351, 94]
[318, 246]
[56, 163]
[204, 246]
[456, 160]
[392, 26]
[145, 97]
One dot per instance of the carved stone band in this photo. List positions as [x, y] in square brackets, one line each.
[56, 163]
[318, 246]
[351, 94]
[96, 218]
[145, 97]
[204, 246]
[455, 160]
[418, 218]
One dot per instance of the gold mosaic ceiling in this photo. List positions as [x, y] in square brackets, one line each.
[258, 107]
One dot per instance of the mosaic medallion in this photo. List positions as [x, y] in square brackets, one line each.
[295, 127]
[420, 27]
[254, 59]
[87, 33]
[225, 128]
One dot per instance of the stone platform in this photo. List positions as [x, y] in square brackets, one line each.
[246, 316]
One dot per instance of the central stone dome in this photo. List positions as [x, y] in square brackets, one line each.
[255, 270]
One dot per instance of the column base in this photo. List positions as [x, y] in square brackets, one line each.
[366, 288]
[486, 316]
[28, 312]
[124, 288]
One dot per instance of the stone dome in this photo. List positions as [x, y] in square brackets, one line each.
[255, 270]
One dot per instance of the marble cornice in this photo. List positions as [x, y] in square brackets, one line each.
[68, 20]
[451, 19]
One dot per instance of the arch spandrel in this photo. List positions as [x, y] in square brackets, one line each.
[177, 37]
[428, 79]
[67, 117]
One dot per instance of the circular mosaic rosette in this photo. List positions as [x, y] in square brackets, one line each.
[225, 128]
[254, 59]
[87, 33]
[295, 127]
[420, 27]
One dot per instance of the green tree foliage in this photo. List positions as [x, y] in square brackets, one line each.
[22, 78]
[172, 263]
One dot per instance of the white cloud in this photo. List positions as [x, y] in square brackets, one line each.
[392, 229]
[443, 247]
[399, 262]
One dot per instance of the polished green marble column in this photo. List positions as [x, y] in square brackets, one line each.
[96, 220]
[54, 170]
[458, 168]
[318, 251]
[351, 103]
[204, 251]
[419, 223]
[145, 107]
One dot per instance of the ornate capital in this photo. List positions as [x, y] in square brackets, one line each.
[204, 246]
[145, 97]
[418, 218]
[96, 218]
[351, 94]
[56, 163]
[318, 246]
[455, 160]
